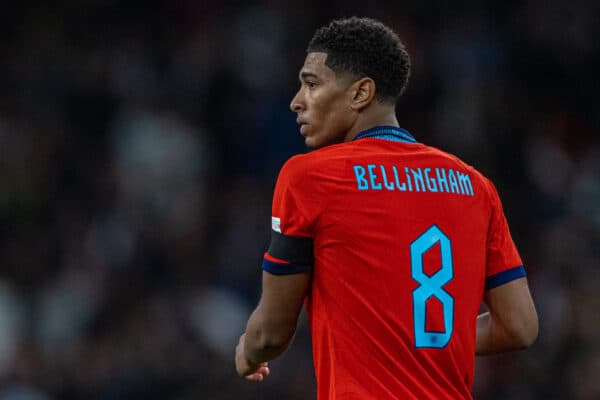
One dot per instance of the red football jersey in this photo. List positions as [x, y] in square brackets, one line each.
[402, 240]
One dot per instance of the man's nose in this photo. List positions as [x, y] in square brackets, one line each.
[296, 105]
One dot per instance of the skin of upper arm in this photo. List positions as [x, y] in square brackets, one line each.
[512, 307]
[280, 304]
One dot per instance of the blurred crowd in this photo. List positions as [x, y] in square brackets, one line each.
[139, 146]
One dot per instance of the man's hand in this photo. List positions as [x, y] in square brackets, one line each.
[245, 368]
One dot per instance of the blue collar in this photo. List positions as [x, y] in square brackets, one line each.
[392, 133]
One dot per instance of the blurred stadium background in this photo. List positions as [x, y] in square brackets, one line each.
[140, 141]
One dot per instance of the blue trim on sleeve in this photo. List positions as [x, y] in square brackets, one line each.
[504, 277]
[284, 269]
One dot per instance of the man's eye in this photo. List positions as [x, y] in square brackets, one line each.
[311, 84]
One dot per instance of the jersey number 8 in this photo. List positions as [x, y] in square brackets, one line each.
[431, 286]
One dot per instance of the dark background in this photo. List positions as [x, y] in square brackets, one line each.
[139, 146]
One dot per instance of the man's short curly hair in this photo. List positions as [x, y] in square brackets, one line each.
[365, 47]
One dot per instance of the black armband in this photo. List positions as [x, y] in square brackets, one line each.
[293, 249]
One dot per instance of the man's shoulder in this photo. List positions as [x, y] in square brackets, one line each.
[310, 171]
[460, 163]
[304, 163]
[477, 178]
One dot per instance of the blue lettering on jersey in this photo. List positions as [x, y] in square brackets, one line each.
[453, 183]
[441, 178]
[388, 185]
[362, 183]
[464, 182]
[418, 179]
[422, 180]
[431, 185]
[399, 186]
[372, 177]
[408, 179]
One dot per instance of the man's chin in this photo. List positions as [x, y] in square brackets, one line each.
[311, 143]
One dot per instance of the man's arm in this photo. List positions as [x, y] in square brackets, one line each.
[272, 324]
[511, 322]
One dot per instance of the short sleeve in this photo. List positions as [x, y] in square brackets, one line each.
[292, 220]
[503, 260]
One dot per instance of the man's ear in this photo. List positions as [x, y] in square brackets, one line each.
[363, 91]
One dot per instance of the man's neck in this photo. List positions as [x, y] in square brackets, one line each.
[385, 117]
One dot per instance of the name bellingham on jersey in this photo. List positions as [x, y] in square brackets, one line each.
[405, 179]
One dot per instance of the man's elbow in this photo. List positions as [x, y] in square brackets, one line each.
[525, 333]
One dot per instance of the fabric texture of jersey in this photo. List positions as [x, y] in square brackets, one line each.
[405, 239]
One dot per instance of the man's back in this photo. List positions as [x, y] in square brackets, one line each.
[393, 244]
[402, 237]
